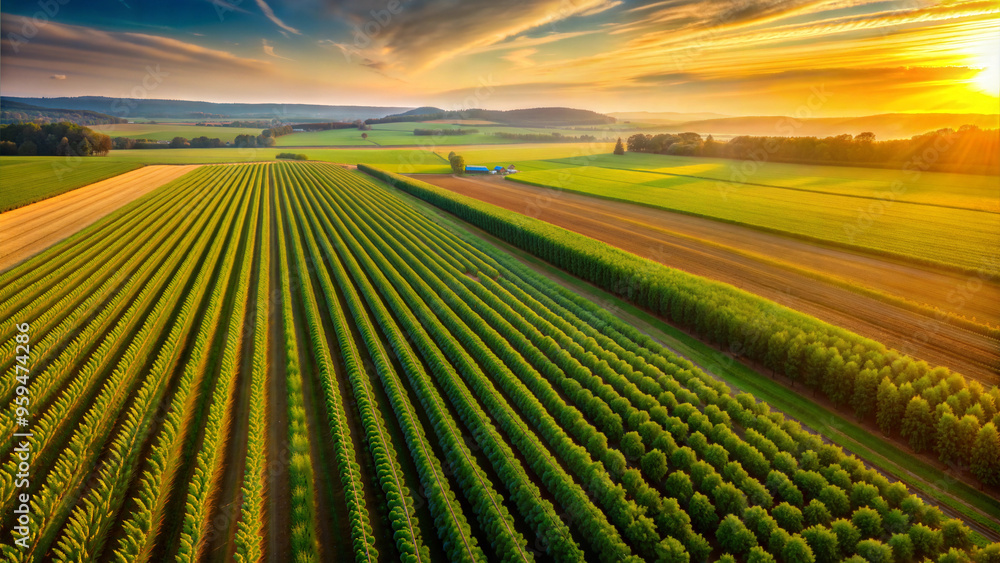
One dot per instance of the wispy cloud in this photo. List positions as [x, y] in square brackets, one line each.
[277, 21]
[521, 57]
[269, 50]
[423, 35]
[58, 77]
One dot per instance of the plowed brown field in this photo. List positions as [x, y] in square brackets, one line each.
[747, 259]
[28, 230]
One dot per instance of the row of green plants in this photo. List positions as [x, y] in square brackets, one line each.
[826, 358]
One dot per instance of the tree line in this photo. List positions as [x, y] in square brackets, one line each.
[440, 132]
[554, 137]
[969, 149]
[42, 116]
[52, 139]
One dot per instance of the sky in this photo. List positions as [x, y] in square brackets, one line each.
[805, 58]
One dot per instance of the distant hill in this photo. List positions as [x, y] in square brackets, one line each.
[531, 117]
[183, 109]
[885, 126]
[18, 112]
[663, 116]
[425, 110]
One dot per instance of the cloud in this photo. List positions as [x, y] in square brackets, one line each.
[119, 64]
[521, 57]
[269, 50]
[422, 35]
[58, 77]
[270, 15]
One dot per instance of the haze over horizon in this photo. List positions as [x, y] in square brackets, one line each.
[811, 58]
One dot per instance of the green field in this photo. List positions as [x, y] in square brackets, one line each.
[27, 179]
[841, 205]
[401, 134]
[968, 191]
[433, 160]
[432, 398]
[167, 131]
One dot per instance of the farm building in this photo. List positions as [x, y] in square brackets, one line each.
[477, 169]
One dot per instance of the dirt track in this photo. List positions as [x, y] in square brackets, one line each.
[28, 230]
[720, 251]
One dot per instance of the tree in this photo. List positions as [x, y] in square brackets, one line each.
[457, 164]
[759, 555]
[988, 554]
[178, 143]
[734, 537]
[671, 551]
[918, 424]
[816, 513]
[788, 517]
[364, 136]
[875, 551]
[632, 446]
[27, 148]
[835, 500]
[902, 548]
[702, 513]
[986, 455]
[956, 534]
[654, 464]
[729, 499]
[619, 148]
[926, 542]
[823, 543]
[968, 430]
[678, 485]
[868, 522]
[889, 411]
[947, 438]
[895, 521]
[796, 550]
[847, 536]
[865, 394]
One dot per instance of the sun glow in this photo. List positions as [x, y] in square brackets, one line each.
[987, 59]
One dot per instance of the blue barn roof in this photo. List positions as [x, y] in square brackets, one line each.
[476, 169]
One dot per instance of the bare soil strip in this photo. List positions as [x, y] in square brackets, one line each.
[721, 251]
[28, 230]
[279, 496]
